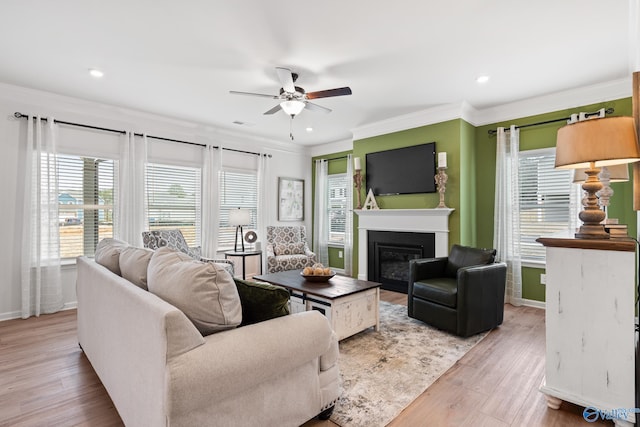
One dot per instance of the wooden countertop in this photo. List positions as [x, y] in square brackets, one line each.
[626, 244]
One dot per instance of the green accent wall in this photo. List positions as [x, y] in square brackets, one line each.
[335, 261]
[471, 153]
[534, 137]
[457, 138]
[337, 164]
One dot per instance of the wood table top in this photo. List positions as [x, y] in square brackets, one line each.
[338, 286]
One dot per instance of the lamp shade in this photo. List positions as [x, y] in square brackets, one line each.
[292, 107]
[606, 141]
[619, 173]
[239, 217]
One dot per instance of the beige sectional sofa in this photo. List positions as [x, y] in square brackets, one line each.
[159, 370]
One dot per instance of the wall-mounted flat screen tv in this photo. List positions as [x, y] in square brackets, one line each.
[407, 170]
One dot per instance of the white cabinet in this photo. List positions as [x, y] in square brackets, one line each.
[590, 311]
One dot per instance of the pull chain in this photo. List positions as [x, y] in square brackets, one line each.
[291, 127]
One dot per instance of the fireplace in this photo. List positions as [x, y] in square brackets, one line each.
[431, 221]
[390, 253]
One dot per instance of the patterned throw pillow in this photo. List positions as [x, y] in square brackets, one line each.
[289, 249]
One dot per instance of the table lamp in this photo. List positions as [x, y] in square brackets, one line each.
[592, 144]
[239, 217]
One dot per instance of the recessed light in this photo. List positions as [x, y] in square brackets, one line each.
[482, 79]
[309, 129]
[95, 73]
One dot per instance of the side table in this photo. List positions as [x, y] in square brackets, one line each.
[246, 264]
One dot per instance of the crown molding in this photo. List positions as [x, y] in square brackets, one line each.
[438, 114]
[331, 147]
[572, 98]
[64, 107]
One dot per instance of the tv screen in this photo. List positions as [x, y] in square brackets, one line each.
[406, 170]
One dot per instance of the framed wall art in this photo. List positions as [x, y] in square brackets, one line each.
[290, 199]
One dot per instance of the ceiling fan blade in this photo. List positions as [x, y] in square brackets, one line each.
[315, 107]
[273, 110]
[286, 79]
[329, 92]
[235, 92]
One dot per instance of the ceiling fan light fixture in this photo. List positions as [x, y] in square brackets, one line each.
[292, 107]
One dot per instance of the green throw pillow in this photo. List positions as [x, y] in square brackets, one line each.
[261, 301]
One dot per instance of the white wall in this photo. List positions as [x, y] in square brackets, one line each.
[288, 160]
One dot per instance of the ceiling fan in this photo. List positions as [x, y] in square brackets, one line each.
[294, 98]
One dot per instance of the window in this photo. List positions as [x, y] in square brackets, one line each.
[548, 201]
[85, 203]
[337, 205]
[238, 189]
[173, 199]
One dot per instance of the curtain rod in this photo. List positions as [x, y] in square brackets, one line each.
[492, 132]
[19, 115]
[335, 158]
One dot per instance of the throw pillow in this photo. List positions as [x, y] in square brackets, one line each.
[108, 254]
[289, 248]
[261, 301]
[204, 292]
[133, 265]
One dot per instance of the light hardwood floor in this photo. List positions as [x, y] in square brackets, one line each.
[45, 379]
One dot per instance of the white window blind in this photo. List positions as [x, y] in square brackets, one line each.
[337, 209]
[86, 194]
[238, 189]
[548, 201]
[174, 199]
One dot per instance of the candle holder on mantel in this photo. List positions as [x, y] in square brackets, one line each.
[357, 183]
[441, 182]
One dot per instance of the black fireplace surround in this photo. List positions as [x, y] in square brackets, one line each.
[389, 253]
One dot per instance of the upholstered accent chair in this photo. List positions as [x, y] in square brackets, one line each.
[462, 294]
[287, 248]
[174, 239]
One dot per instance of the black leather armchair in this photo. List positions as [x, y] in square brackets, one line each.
[462, 294]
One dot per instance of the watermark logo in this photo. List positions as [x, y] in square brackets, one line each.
[592, 414]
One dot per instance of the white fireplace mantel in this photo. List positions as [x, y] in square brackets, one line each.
[409, 220]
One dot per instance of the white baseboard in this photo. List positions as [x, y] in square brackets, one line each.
[10, 315]
[533, 303]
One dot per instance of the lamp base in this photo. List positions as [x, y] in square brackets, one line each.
[591, 216]
[235, 245]
[592, 231]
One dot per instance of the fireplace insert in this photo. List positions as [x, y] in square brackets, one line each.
[389, 253]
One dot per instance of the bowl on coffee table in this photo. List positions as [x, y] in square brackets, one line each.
[318, 278]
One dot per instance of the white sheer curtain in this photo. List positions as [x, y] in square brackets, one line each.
[265, 195]
[41, 279]
[348, 225]
[212, 164]
[320, 214]
[131, 219]
[506, 225]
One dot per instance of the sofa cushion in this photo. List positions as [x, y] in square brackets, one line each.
[464, 256]
[289, 248]
[133, 265]
[108, 254]
[203, 291]
[442, 290]
[261, 301]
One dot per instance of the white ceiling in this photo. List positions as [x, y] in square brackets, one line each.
[181, 58]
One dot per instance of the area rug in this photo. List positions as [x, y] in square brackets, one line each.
[383, 372]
